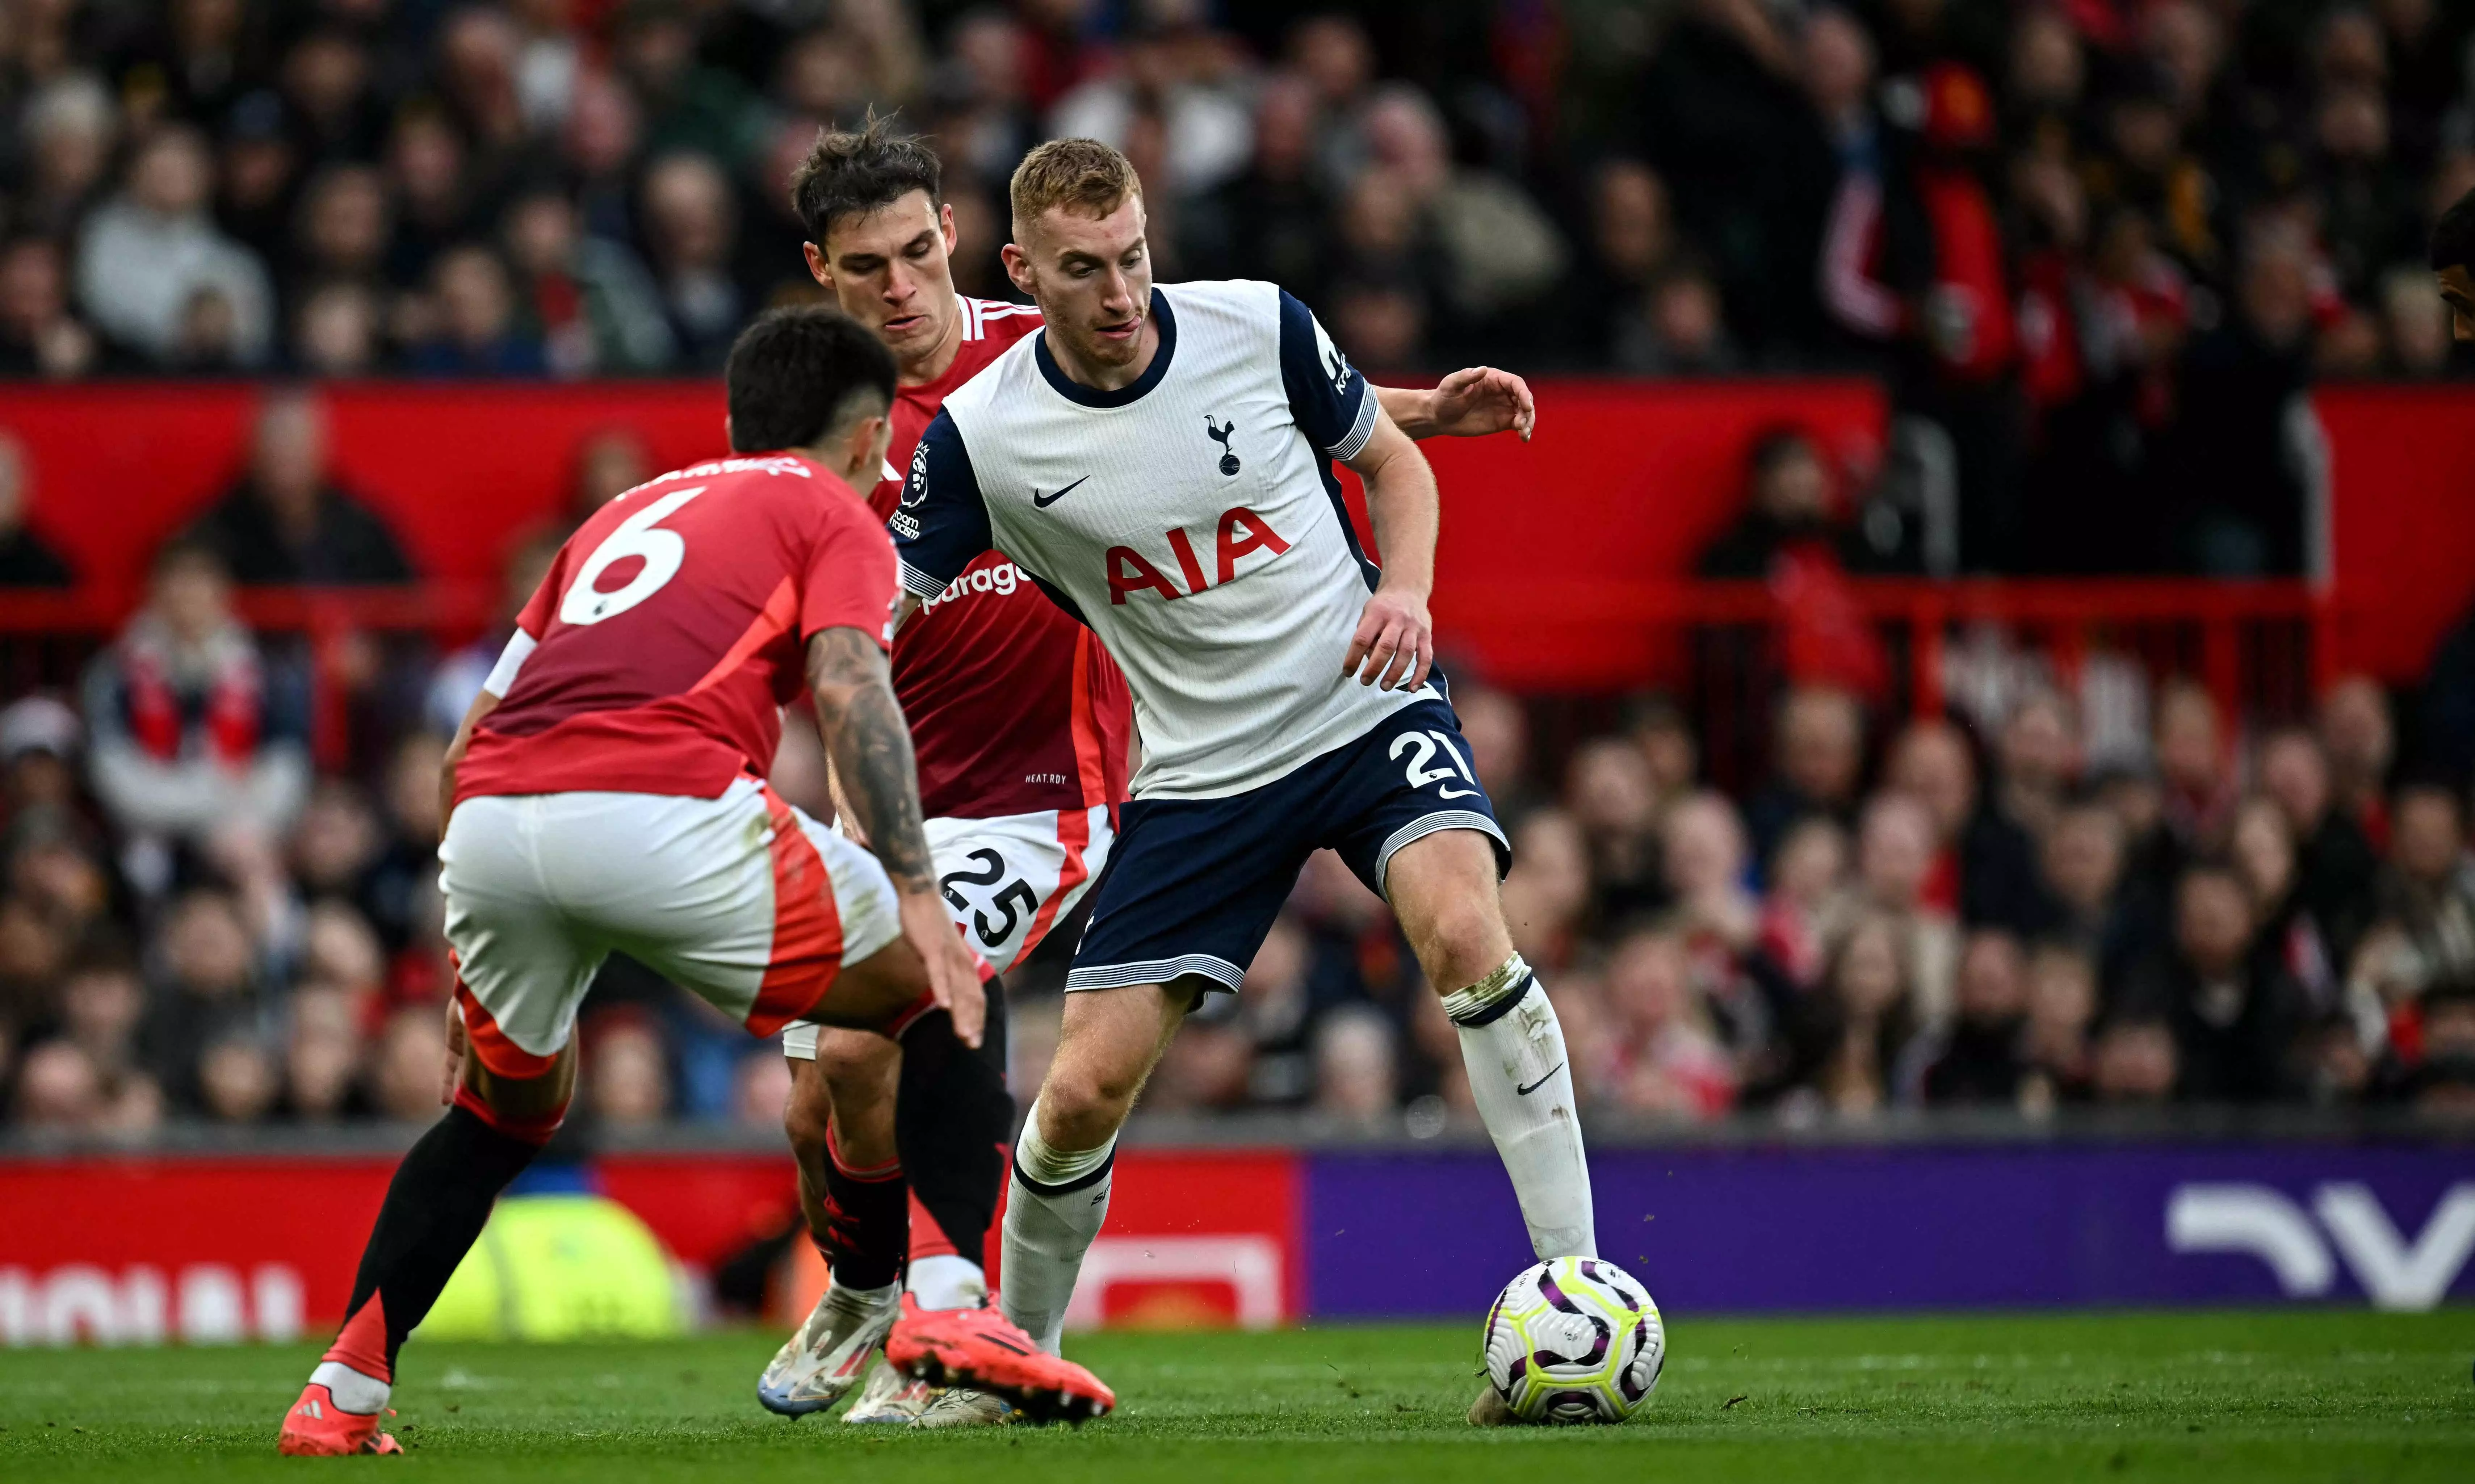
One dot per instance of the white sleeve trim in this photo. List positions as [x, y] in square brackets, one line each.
[511, 660]
[1363, 428]
[919, 584]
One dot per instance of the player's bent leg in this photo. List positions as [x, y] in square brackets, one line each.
[951, 1117]
[1107, 1046]
[506, 1106]
[1443, 890]
[856, 1214]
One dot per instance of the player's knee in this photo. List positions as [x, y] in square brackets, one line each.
[1082, 1106]
[854, 1063]
[807, 1115]
[1463, 942]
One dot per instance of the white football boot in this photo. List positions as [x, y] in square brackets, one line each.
[826, 1356]
[960, 1406]
[890, 1398]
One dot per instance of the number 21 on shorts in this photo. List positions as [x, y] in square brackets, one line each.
[661, 550]
[1420, 775]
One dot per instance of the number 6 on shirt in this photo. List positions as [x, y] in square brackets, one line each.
[661, 550]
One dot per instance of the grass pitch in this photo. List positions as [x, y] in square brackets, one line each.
[2294, 1394]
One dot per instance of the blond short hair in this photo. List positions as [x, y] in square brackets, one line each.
[1082, 176]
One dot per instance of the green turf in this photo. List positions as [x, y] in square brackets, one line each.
[2296, 1395]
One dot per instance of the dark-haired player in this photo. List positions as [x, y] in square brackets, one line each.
[1021, 721]
[605, 793]
[2453, 263]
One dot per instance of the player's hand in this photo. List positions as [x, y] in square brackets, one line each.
[1395, 642]
[1476, 401]
[455, 1044]
[953, 973]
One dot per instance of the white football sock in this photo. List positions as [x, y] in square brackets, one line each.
[1056, 1204]
[947, 1280]
[1513, 1047]
[361, 1395]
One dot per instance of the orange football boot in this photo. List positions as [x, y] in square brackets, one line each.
[317, 1428]
[979, 1348]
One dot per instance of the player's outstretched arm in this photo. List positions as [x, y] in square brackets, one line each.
[869, 744]
[1471, 402]
[1395, 643]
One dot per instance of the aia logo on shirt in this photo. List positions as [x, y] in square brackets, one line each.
[1241, 530]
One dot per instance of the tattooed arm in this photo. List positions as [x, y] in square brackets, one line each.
[869, 745]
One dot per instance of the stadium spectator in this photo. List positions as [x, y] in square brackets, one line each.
[336, 333]
[1716, 919]
[1819, 737]
[2290, 934]
[210, 985]
[147, 256]
[1977, 1059]
[69, 127]
[2335, 861]
[1610, 794]
[1788, 514]
[2428, 888]
[2235, 1014]
[691, 225]
[627, 1080]
[476, 332]
[195, 734]
[2136, 1060]
[586, 298]
[1657, 1053]
[26, 558]
[38, 335]
[1273, 220]
[403, 1072]
[1356, 1078]
[1547, 895]
[287, 520]
[1847, 1042]
[2360, 741]
[1805, 877]
[1895, 856]
[2054, 1044]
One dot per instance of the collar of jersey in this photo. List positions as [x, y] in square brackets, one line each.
[1092, 396]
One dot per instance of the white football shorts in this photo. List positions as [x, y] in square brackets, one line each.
[743, 898]
[1007, 882]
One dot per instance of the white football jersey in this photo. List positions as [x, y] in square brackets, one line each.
[1192, 519]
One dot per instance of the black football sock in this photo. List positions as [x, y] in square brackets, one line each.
[868, 1223]
[951, 1120]
[435, 1210]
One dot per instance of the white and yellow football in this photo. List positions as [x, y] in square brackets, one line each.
[1575, 1340]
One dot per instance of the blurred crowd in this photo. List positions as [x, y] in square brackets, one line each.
[2097, 246]
[2070, 890]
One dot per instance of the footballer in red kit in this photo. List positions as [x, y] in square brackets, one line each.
[1023, 726]
[606, 795]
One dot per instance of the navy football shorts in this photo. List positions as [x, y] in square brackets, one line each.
[1194, 883]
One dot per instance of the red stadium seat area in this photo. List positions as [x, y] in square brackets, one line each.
[2046, 813]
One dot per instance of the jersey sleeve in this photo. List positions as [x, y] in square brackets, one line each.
[532, 620]
[1328, 397]
[942, 524]
[849, 581]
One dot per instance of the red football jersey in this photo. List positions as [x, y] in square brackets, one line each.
[1013, 707]
[657, 654]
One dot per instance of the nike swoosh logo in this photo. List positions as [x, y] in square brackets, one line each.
[1523, 1092]
[1045, 501]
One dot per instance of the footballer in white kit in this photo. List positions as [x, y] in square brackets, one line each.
[1159, 459]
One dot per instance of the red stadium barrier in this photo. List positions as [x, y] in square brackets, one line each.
[1562, 569]
[229, 1247]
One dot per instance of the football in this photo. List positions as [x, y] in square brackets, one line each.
[1575, 1340]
